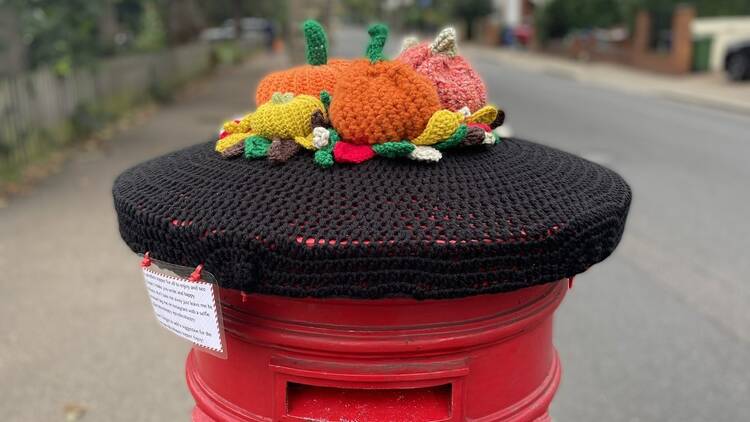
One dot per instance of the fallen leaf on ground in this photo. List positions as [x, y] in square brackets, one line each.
[74, 412]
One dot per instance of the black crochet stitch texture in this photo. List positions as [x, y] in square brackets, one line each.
[482, 220]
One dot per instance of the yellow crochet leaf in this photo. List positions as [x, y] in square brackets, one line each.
[305, 141]
[230, 141]
[486, 115]
[441, 125]
[243, 126]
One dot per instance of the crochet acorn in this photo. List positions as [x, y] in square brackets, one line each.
[377, 100]
[457, 83]
[319, 74]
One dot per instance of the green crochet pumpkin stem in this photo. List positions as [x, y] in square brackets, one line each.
[281, 97]
[378, 36]
[316, 42]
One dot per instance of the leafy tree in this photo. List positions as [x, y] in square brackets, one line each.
[151, 33]
[427, 15]
[559, 17]
[63, 34]
[217, 11]
[470, 10]
[71, 33]
[361, 11]
[130, 14]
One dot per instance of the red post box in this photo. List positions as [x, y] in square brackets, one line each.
[387, 306]
[480, 358]
[380, 257]
[381, 253]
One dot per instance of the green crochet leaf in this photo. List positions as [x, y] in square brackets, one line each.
[394, 149]
[256, 147]
[333, 137]
[325, 98]
[323, 158]
[454, 140]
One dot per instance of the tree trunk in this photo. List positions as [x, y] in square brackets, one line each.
[13, 56]
[107, 24]
[469, 28]
[237, 11]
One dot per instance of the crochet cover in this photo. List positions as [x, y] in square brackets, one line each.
[486, 219]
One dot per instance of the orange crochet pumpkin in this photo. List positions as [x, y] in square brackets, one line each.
[318, 75]
[377, 101]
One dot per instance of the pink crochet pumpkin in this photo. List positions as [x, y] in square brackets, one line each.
[457, 83]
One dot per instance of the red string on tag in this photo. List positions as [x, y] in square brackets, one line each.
[196, 275]
[146, 262]
[570, 282]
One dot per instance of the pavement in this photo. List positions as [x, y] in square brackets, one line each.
[78, 338]
[710, 89]
[658, 332]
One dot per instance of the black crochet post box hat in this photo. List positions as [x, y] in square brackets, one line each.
[391, 203]
[500, 219]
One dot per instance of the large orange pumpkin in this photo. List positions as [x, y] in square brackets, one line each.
[319, 74]
[376, 100]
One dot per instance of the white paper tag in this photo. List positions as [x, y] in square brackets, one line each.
[186, 308]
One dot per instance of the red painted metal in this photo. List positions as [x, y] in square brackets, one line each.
[483, 358]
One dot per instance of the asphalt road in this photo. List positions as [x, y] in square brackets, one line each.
[661, 330]
[658, 332]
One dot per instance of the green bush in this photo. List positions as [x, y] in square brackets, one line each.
[560, 17]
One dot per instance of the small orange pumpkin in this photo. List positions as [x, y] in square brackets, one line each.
[319, 74]
[377, 100]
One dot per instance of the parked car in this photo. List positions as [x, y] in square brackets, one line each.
[737, 61]
[252, 29]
